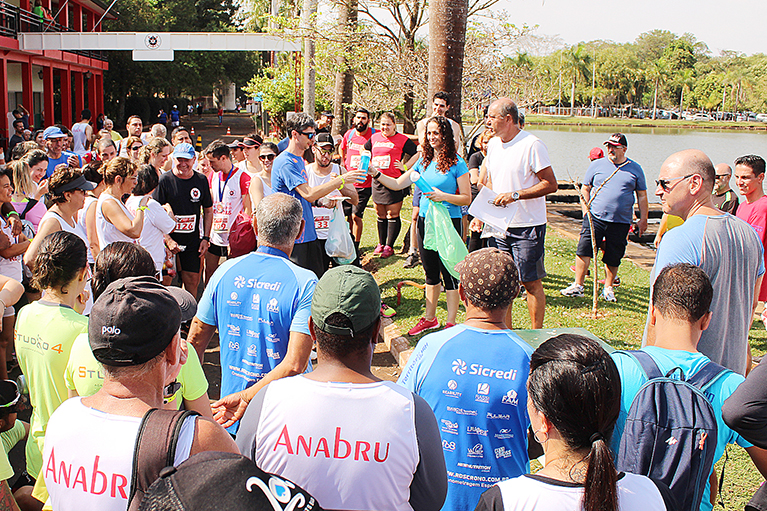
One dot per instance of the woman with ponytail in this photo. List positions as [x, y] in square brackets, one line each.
[574, 393]
[46, 329]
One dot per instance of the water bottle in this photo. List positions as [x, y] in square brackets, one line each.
[364, 164]
[420, 182]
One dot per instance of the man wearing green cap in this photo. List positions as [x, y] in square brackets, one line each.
[348, 438]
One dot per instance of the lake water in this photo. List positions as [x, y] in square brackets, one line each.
[569, 147]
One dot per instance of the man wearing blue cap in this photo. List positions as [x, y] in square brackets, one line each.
[54, 145]
[188, 193]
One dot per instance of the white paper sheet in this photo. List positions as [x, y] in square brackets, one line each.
[498, 217]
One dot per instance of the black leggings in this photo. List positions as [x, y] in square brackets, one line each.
[745, 411]
[432, 264]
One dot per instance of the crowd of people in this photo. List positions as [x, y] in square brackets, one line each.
[122, 257]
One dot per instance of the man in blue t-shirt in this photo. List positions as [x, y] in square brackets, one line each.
[289, 176]
[614, 180]
[474, 376]
[260, 303]
[680, 312]
[54, 144]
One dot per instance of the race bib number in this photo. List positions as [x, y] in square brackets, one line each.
[382, 162]
[321, 222]
[185, 223]
[354, 162]
[220, 222]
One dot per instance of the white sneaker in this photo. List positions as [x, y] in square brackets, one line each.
[572, 290]
[608, 294]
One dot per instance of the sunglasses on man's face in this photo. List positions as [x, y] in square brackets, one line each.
[135, 148]
[266, 157]
[664, 183]
[308, 135]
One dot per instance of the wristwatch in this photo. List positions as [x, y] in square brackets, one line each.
[205, 238]
[515, 196]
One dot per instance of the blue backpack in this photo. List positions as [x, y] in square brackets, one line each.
[671, 430]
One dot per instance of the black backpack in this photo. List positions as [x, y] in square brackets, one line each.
[155, 449]
[671, 430]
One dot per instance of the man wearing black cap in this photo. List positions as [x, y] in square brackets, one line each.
[474, 376]
[616, 179]
[89, 445]
[380, 447]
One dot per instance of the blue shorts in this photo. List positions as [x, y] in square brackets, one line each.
[417, 197]
[526, 246]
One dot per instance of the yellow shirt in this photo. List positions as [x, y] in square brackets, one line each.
[43, 337]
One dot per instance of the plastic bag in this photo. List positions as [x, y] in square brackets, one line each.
[340, 244]
[441, 236]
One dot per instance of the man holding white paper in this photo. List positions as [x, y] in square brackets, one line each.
[519, 171]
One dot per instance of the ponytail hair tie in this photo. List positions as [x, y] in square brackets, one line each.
[595, 437]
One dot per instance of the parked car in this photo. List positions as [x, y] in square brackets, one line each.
[700, 116]
[761, 117]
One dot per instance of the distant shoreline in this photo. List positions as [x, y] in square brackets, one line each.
[552, 120]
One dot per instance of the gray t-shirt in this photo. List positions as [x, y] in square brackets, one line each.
[731, 254]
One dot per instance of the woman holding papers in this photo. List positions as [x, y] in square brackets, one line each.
[443, 176]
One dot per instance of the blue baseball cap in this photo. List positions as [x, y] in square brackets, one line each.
[184, 150]
[53, 132]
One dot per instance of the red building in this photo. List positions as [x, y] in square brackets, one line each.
[54, 86]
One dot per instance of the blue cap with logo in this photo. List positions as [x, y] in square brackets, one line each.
[53, 132]
[184, 150]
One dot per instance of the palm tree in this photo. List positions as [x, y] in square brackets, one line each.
[447, 38]
[344, 83]
[308, 13]
[686, 78]
[656, 72]
[578, 62]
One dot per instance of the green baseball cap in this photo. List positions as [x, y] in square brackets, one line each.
[348, 290]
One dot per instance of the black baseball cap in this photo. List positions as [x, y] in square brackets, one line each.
[204, 479]
[617, 139]
[133, 321]
[324, 139]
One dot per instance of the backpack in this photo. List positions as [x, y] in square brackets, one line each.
[155, 449]
[671, 430]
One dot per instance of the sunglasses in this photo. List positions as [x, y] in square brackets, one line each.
[722, 176]
[308, 135]
[322, 150]
[267, 157]
[664, 183]
[169, 392]
[135, 148]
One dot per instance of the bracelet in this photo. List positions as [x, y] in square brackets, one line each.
[377, 175]
[343, 182]
[142, 208]
[206, 238]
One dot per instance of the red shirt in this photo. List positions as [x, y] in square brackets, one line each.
[352, 144]
[755, 214]
[386, 150]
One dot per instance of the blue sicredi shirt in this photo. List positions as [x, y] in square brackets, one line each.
[288, 172]
[255, 301]
[475, 382]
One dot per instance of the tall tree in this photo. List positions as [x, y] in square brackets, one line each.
[344, 84]
[308, 17]
[447, 37]
[577, 61]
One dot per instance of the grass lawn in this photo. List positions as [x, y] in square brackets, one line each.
[620, 324]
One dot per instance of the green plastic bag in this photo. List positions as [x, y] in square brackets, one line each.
[440, 235]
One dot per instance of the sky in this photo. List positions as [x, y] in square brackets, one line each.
[723, 25]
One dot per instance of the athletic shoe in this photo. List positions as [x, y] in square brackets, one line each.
[449, 324]
[572, 290]
[608, 294]
[387, 252]
[387, 311]
[412, 260]
[424, 325]
[379, 248]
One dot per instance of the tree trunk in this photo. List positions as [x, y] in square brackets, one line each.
[572, 101]
[681, 103]
[344, 86]
[447, 38]
[408, 124]
[308, 14]
[655, 101]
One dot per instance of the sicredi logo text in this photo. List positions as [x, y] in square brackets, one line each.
[110, 330]
[459, 368]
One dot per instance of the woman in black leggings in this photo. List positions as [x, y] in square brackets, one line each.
[447, 173]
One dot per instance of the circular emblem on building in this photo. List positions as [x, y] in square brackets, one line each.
[152, 41]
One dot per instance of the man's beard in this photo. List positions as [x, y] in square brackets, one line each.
[361, 127]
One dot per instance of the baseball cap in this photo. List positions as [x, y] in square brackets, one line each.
[184, 150]
[617, 139]
[250, 142]
[328, 114]
[596, 153]
[200, 482]
[489, 278]
[325, 139]
[133, 321]
[235, 144]
[350, 291]
[53, 132]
